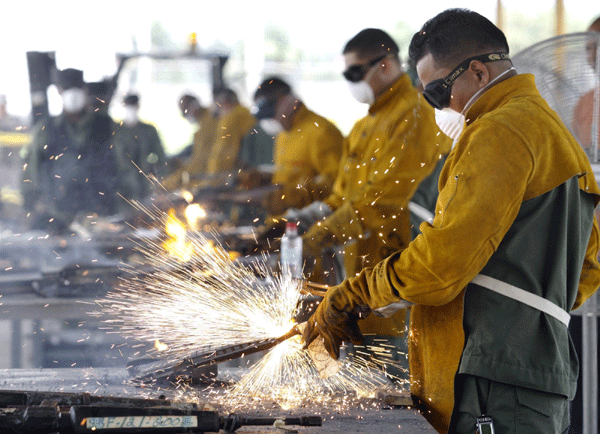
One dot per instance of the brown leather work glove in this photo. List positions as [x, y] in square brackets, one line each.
[253, 178]
[334, 321]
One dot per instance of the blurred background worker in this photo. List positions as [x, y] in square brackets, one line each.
[386, 156]
[235, 121]
[256, 149]
[139, 150]
[98, 95]
[584, 111]
[307, 149]
[195, 166]
[9, 122]
[70, 164]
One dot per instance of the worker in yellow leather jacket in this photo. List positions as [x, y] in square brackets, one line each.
[235, 121]
[511, 251]
[385, 157]
[204, 138]
[307, 148]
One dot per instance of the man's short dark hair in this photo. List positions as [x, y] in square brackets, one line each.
[227, 95]
[69, 78]
[98, 88]
[454, 35]
[272, 88]
[371, 43]
[186, 101]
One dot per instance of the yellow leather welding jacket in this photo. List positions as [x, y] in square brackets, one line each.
[307, 157]
[231, 128]
[513, 149]
[385, 157]
[196, 164]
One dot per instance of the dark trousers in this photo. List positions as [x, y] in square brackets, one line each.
[514, 410]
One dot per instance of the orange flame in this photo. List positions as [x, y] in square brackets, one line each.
[177, 245]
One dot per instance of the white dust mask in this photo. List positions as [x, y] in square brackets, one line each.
[130, 116]
[450, 122]
[271, 126]
[74, 99]
[362, 92]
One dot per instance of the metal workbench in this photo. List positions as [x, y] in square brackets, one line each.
[363, 416]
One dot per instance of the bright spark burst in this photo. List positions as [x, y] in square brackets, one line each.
[202, 302]
[193, 214]
[196, 299]
[287, 375]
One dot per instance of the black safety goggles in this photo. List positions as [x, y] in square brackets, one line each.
[356, 73]
[438, 92]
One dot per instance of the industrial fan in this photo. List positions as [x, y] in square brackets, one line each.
[567, 74]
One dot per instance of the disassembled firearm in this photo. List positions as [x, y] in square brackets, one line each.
[23, 412]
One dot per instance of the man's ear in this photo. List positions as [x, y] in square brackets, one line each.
[481, 72]
[385, 64]
[288, 103]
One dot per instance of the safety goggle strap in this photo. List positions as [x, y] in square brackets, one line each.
[490, 57]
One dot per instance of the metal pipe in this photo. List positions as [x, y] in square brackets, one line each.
[589, 363]
[500, 15]
[559, 9]
[64, 399]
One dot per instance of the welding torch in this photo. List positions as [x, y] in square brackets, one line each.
[236, 351]
[317, 290]
[186, 367]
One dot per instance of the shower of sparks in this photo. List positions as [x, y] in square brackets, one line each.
[287, 375]
[198, 300]
[190, 297]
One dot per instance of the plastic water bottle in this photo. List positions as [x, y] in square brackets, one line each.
[291, 251]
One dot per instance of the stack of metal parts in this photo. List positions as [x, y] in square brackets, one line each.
[52, 412]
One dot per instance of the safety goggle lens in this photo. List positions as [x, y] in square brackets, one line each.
[356, 73]
[437, 94]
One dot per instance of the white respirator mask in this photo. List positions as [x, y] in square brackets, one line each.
[271, 126]
[189, 116]
[130, 117]
[362, 92]
[450, 122]
[74, 100]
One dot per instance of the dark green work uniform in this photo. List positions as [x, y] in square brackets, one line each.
[70, 168]
[140, 154]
